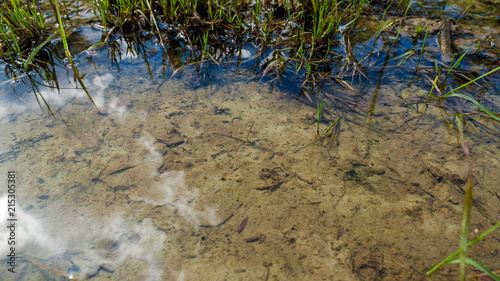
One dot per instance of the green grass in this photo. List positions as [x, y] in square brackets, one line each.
[310, 25]
[451, 94]
[464, 244]
[23, 31]
[76, 73]
[463, 260]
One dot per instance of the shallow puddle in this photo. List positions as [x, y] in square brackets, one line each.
[158, 186]
[229, 177]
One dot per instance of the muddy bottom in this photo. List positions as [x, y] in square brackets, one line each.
[233, 183]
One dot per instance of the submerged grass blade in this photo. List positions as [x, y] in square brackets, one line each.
[319, 137]
[329, 127]
[464, 235]
[320, 110]
[463, 260]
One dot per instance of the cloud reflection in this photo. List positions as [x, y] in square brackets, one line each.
[118, 238]
[132, 242]
[28, 230]
[67, 94]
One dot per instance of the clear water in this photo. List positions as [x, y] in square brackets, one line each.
[157, 184]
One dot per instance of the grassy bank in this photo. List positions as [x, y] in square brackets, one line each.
[303, 30]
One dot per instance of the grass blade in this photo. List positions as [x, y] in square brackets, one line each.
[464, 235]
[320, 110]
[476, 103]
[458, 61]
[479, 266]
[37, 49]
[68, 53]
[471, 81]
[449, 259]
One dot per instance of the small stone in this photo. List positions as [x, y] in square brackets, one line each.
[108, 267]
[92, 272]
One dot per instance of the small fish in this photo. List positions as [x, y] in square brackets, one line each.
[122, 170]
[242, 225]
[260, 238]
[340, 232]
[169, 144]
[253, 239]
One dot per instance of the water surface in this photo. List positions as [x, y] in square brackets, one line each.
[159, 179]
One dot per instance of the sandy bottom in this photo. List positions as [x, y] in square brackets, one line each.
[380, 199]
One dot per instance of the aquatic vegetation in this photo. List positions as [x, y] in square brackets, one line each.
[326, 132]
[305, 28]
[300, 34]
[276, 62]
[320, 110]
[463, 260]
[452, 93]
[23, 32]
[451, 258]
[68, 53]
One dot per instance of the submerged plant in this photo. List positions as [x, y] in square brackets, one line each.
[442, 95]
[318, 117]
